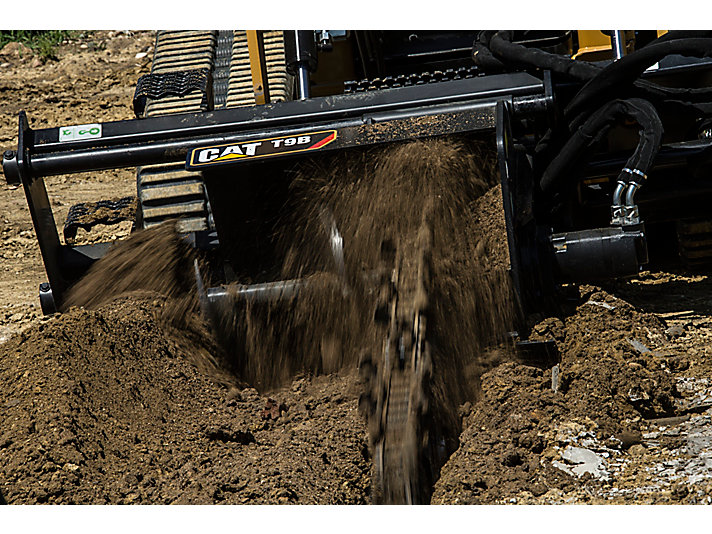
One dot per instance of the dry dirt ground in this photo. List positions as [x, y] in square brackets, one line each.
[97, 407]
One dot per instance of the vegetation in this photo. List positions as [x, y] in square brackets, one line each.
[42, 42]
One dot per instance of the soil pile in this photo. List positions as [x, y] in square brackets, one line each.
[517, 440]
[105, 407]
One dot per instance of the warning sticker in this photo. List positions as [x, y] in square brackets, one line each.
[80, 132]
[260, 148]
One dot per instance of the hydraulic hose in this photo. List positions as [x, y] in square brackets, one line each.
[622, 74]
[651, 131]
[494, 50]
[498, 46]
[482, 55]
[682, 34]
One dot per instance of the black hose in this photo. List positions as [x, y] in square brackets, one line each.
[642, 111]
[682, 34]
[493, 50]
[482, 55]
[501, 45]
[623, 73]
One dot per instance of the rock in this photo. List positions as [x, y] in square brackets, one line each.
[512, 458]
[141, 55]
[465, 409]
[16, 50]
[628, 439]
[233, 396]
[677, 363]
[675, 330]
[273, 410]
[584, 461]
[679, 492]
[537, 489]
[638, 346]
[637, 450]
[601, 304]
[227, 435]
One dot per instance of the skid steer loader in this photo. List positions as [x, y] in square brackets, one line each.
[603, 140]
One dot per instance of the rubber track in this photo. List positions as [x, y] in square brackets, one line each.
[169, 191]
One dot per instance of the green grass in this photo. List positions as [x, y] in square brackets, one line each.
[42, 42]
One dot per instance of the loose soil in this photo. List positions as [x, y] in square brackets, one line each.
[126, 398]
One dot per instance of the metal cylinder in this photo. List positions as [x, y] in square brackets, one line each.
[630, 193]
[302, 83]
[618, 193]
[618, 43]
[301, 58]
[267, 292]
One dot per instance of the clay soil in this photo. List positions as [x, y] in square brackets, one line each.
[125, 399]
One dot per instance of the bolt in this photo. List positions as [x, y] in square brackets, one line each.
[706, 134]
[44, 287]
[9, 154]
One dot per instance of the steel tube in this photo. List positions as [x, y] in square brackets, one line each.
[630, 193]
[618, 43]
[303, 88]
[271, 291]
[147, 152]
[618, 193]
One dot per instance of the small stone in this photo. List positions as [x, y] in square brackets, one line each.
[15, 49]
[512, 459]
[141, 55]
[629, 439]
[675, 331]
[637, 450]
[584, 461]
[638, 346]
[538, 489]
[677, 363]
[234, 395]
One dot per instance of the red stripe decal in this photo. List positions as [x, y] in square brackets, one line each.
[324, 141]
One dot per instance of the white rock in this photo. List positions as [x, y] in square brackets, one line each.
[585, 461]
[141, 55]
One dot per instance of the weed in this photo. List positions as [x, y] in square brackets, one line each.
[43, 42]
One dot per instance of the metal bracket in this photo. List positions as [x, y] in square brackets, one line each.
[258, 66]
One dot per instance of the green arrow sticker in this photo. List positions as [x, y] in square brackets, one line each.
[79, 132]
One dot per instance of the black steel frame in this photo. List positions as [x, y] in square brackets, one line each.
[361, 119]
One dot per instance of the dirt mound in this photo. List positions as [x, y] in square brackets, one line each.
[517, 440]
[103, 407]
